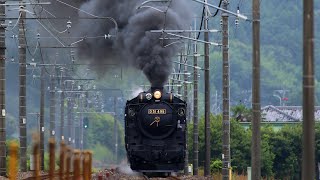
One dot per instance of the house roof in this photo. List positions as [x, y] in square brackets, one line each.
[285, 113]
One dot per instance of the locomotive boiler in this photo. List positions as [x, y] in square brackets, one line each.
[155, 129]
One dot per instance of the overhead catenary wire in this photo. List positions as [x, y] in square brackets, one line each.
[51, 33]
[106, 36]
[202, 18]
[52, 26]
[42, 60]
[27, 46]
[90, 14]
[17, 22]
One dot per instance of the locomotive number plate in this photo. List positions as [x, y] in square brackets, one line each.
[157, 111]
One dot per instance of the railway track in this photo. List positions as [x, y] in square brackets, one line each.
[173, 178]
[169, 177]
[47, 176]
[145, 177]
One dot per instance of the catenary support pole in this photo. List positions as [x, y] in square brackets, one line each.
[62, 99]
[207, 95]
[308, 152]
[22, 90]
[42, 129]
[52, 104]
[115, 129]
[185, 95]
[225, 93]
[2, 90]
[81, 129]
[195, 110]
[256, 106]
[69, 120]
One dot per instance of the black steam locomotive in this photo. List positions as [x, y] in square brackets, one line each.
[155, 127]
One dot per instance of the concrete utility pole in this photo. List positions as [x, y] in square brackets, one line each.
[85, 130]
[179, 76]
[195, 109]
[62, 98]
[42, 94]
[71, 125]
[207, 94]
[308, 162]
[69, 117]
[115, 132]
[52, 104]
[3, 171]
[185, 95]
[22, 90]
[256, 106]
[76, 130]
[226, 92]
[81, 103]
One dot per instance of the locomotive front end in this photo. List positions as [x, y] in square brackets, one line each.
[155, 127]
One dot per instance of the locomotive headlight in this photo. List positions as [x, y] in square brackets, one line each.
[149, 96]
[157, 94]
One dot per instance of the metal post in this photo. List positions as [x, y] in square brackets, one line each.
[226, 92]
[42, 94]
[52, 105]
[195, 110]
[62, 98]
[256, 106]
[2, 91]
[115, 127]
[308, 152]
[207, 95]
[185, 95]
[22, 90]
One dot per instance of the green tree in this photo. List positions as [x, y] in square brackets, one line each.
[216, 166]
[240, 143]
[267, 153]
[241, 113]
[240, 147]
[99, 137]
[287, 149]
[317, 145]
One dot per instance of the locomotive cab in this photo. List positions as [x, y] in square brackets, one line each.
[155, 127]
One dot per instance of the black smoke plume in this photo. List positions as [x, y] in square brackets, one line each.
[134, 45]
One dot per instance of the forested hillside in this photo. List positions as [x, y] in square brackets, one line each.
[281, 53]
